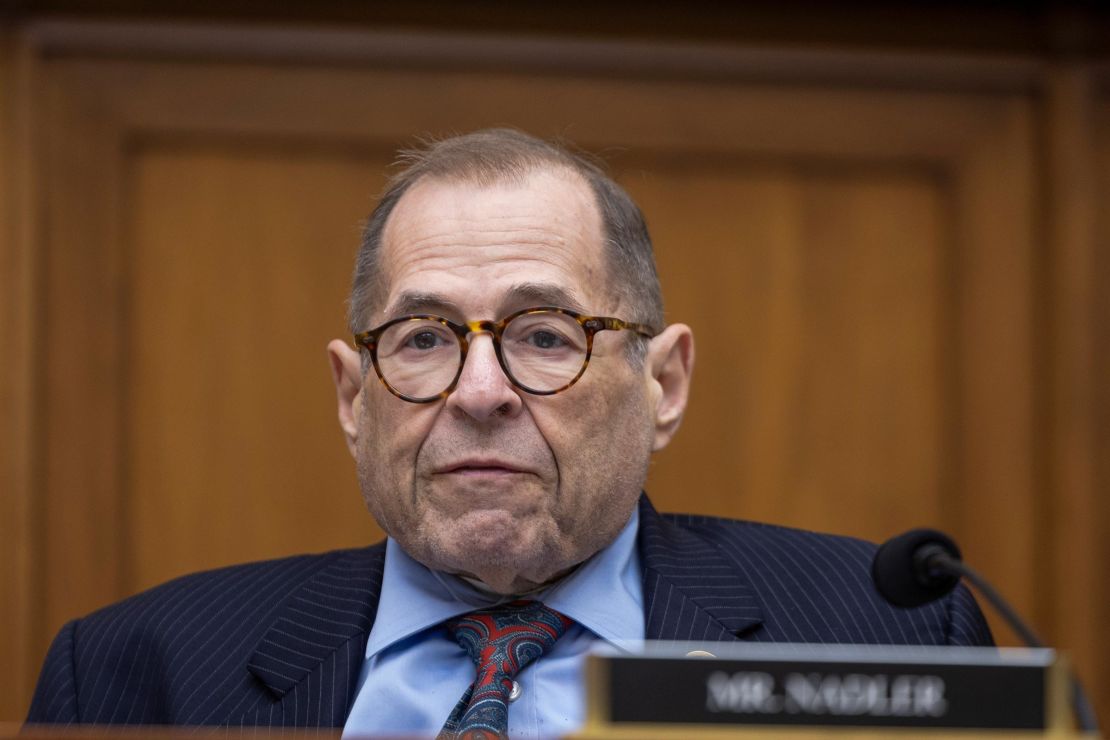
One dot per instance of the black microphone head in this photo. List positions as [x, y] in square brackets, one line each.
[901, 573]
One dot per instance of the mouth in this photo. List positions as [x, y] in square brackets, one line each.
[482, 467]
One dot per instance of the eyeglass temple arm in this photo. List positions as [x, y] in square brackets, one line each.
[617, 324]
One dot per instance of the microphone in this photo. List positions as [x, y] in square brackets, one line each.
[924, 565]
[907, 569]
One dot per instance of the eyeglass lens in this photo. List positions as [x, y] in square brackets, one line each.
[542, 350]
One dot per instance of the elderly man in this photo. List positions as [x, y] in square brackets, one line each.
[510, 378]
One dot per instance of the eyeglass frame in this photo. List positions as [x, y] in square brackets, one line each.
[591, 325]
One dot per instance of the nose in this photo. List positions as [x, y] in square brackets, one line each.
[483, 391]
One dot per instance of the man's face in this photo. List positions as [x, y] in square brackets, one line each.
[493, 482]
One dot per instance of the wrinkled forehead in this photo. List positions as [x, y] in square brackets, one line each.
[467, 240]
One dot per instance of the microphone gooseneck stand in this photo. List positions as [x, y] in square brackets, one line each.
[924, 565]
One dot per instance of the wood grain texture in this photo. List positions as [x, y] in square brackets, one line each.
[814, 296]
[863, 256]
[855, 334]
[977, 27]
[11, 506]
[239, 262]
[18, 541]
[80, 366]
[1096, 665]
[996, 451]
[1072, 339]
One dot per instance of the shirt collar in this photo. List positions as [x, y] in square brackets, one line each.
[604, 594]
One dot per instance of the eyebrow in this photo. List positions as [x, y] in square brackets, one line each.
[521, 295]
[525, 295]
[417, 302]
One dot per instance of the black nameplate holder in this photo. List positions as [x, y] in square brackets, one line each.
[672, 685]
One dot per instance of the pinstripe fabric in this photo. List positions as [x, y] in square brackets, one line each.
[274, 643]
[280, 643]
[708, 579]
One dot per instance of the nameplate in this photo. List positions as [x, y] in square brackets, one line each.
[829, 686]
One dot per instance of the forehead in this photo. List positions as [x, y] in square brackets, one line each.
[475, 245]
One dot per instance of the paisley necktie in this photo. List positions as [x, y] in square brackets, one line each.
[500, 641]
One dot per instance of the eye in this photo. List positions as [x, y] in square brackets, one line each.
[424, 340]
[546, 334]
[416, 338]
[543, 339]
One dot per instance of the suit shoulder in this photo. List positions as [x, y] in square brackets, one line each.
[266, 577]
[141, 659]
[237, 597]
[760, 535]
[817, 587]
[785, 558]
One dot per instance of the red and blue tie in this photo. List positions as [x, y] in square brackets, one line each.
[500, 641]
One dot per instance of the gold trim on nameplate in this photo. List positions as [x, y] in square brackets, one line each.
[597, 694]
[1057, 704]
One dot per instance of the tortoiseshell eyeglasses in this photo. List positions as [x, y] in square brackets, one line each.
[542, 350]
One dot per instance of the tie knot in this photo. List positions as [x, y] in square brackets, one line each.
[505, 638]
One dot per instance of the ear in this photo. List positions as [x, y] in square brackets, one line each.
[346, 371]
[669, 365]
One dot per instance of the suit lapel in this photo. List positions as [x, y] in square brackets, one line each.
[691, 591]
[323, 624]
[309, 659]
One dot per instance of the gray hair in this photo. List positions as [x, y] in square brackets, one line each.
[497, 155]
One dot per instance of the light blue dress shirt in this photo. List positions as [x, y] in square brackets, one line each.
[414, 673]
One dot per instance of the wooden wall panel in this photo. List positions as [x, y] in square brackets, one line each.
[840, 219]
[875, 238]
[816, 296]
[1071, 283]
[239, 259]
[995, 407]
[79, 361]
[1095, 665]
[17, 388]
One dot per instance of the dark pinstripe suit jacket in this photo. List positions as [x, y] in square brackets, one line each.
[281, 642]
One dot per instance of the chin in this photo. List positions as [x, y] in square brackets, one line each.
[494, 542]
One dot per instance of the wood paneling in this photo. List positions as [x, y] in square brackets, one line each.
[868, 258]
[977, 26]
[79, 364]
[18, 541]
[860, 325]
[1097, 663]
[816, 296]
[238, 264]
[1075, 519]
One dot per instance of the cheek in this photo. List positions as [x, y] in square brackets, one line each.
[391, 433]
[602, 442]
